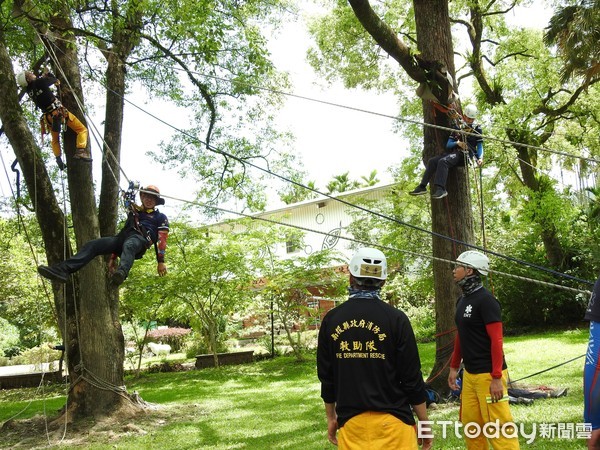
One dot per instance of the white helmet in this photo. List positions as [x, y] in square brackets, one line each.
[22, 79]
[470, 111]
[368, 262]
[475, 260]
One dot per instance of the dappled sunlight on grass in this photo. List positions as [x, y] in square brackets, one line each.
[276, 404]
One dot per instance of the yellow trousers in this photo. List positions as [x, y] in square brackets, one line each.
[377, 431]
[476, 408]
[74, 124]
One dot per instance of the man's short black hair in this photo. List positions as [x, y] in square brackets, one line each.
[371, 283]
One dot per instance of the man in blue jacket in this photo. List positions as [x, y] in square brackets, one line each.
[459, 148]
[145, 226]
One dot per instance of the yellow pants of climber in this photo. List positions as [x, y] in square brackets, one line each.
[74, 124]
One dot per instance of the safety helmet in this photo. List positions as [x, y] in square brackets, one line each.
[475, 260]
[470, 111]
[22, 79]
[152, 188]
[368, 263]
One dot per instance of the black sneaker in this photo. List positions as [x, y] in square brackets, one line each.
[419, 190]
[53, 273]
[118, 277]
[440, 192]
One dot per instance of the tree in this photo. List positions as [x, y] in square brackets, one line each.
[516, 84]
[574, 30]
[518, 80]
[341, 183]
[212, 275]
[145, 301]
[427, 64]
[23, 293]
[370, 180]
[87, 347]
[283, 285]
[190, 36]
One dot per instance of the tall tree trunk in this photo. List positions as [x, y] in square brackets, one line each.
[125, 38]
[97, 379]
[92, 333]
[451, 216]
[113, 126]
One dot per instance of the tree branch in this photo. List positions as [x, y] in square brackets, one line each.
[204, 90]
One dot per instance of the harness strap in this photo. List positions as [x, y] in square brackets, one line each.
[141, 228]
[56, 104]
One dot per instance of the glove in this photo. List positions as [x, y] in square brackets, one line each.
[60, 163]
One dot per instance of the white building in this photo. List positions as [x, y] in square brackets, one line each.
[323, 221]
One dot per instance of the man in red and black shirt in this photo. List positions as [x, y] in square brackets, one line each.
[484, 394]
[145, 226]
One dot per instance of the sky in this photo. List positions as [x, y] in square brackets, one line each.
[331, 140]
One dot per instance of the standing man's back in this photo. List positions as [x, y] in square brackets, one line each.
[369, 366]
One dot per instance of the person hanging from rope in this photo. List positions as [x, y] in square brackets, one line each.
[478, 343]
[54, 114]
[591, 370]
[459, 148]
[144, 227]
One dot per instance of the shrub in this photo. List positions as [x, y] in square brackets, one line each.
[12, 351]
[37, 356]
[9, 337]
[175, 337]
[195, 348]
[166, 366]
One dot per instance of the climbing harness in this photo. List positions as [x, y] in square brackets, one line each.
[133, 209]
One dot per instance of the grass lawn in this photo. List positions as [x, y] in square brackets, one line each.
[275, 404]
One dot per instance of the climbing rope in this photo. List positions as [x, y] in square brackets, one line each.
[287, 179]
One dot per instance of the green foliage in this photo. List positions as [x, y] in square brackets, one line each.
[9, 336]
[406, 292]
[574, 30]
[165, 366]
[341, 183]
[527, 304]
[36, 356]
[344, 50]
[288, 284]
[196, 347]
[209, 280]
[26, 303]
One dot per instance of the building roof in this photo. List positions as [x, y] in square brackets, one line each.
[326, 199]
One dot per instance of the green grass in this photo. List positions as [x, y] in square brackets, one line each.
[276, 404]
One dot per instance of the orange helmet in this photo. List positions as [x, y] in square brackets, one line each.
[152, 188]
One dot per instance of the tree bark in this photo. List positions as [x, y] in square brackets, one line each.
[92, 333]
[452, 216]
[125, 38]
[97, 381]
